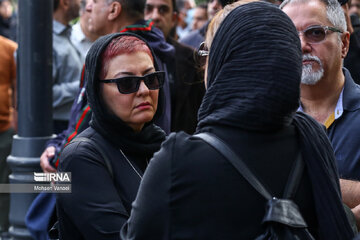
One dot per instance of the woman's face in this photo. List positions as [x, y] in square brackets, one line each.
[138, 108]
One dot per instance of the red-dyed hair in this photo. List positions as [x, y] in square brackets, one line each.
[122, 45]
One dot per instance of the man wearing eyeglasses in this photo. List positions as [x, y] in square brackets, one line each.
[328, 92]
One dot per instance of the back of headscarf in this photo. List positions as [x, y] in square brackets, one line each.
[254, 70]
[253, 83]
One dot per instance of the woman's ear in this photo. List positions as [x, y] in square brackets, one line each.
[114, 10]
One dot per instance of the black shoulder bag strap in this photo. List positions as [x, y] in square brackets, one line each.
[225, 150]
[283, 211]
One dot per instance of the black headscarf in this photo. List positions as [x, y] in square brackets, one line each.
[143, 143]
[254, 69]
[254, 74]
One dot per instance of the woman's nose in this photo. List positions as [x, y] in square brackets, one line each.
[143, 89]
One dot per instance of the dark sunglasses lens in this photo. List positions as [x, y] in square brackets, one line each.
[153, 82]
[316, 34]
[127, 85]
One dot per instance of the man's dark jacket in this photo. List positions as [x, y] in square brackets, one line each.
[187, 89]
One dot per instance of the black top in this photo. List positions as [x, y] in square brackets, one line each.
[352, 59]
[187, 89]
[199, 195]
[94, 209]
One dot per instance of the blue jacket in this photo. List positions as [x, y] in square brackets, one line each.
[344, 133]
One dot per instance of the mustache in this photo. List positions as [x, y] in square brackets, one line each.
[308, 57]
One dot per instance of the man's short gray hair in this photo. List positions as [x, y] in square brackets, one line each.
[334, 12]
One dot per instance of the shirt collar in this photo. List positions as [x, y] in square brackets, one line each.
[78, 34]
[59, 28]
[339, 109]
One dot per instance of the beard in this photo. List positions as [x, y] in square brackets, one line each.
[309, 76]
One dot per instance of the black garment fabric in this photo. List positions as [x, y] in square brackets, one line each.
[98, 204]
[352, 59]
[197, 194]
[187, 89]
[253, 90]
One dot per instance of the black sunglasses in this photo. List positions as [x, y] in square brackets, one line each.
[131, 84]
[317, 34]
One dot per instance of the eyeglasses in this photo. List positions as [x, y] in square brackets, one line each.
[317, 34]
[131, 84]
[201, 54]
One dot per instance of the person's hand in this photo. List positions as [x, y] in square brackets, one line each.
[356, 212]
[44, 159]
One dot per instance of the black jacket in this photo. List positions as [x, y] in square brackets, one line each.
[94, 209]
[352, 60]
[187, 89]
[200, 195]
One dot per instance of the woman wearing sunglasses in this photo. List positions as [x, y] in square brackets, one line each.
[195, 191]
[108, 159]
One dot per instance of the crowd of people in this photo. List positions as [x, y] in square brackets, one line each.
[156, 104]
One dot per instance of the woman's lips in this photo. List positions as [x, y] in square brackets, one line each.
[143, 105]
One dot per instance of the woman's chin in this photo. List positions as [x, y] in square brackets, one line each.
[140, 121]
